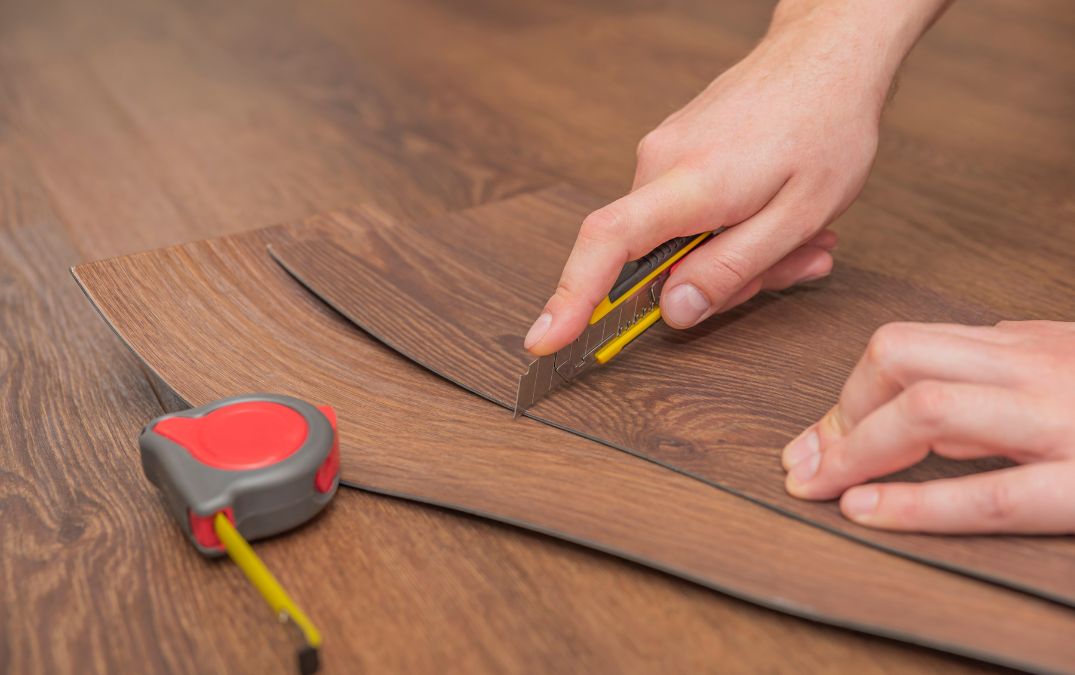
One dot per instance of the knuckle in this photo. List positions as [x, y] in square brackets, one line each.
[997, 502]
[927, 403]
[884, 343]
[804, 228]
[1039, 365]
[725, 273]
[570, 294]
[837, 463]
[911, 507]
[564, 291]
[804, 220]
[644, 145]
[1024, 324]
[650, 145]
[603, 225]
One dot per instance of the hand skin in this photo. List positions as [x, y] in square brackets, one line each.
[778, 146]
[963, 392]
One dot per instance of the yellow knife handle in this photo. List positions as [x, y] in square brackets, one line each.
[637, 273]
[605, 354]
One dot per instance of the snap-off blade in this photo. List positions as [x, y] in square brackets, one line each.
[554, 370]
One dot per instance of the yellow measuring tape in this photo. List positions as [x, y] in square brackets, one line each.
[259, 575]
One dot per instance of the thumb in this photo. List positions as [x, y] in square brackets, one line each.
[628, 228]
[713, 275]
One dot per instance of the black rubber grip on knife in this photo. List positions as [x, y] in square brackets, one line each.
[637, 270]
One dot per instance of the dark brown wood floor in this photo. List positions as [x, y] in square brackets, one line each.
[127, 125]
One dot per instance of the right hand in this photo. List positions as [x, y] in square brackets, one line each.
[961, 392]
[778, 146]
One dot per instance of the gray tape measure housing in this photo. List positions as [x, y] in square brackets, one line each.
[264, 501]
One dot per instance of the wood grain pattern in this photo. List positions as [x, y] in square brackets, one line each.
[718, 402]
[132, 124]
[146, 132]
[65, 525]
[405, 431]
[96, 578]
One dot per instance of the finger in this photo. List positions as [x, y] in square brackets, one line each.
[743, 294]
[988, 334]
[1030, 499]
[648, 167]
[827, 433]
[714, 273]
[882, 374]
[900, 354]
[826, 239]
[1018, 329]
[624, 230]
[901, 433]
[805, 263]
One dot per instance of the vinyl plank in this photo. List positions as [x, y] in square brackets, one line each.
[717, 402]
[146, 123]
[92, 572]
[407, 432]
[95, 577]
[973, 173]
[119, 130]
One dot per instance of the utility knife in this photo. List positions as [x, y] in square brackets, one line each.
[632, 306]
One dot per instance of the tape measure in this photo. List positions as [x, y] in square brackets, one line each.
[246, 467]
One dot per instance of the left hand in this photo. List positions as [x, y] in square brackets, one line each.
[963, 392]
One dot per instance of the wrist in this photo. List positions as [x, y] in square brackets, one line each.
[860, 43]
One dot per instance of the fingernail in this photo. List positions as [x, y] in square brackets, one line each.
[861, 501]
[803, 455]
[538, 330]
[811, 277]
[806, 468]
[808, 443]
[684, 305]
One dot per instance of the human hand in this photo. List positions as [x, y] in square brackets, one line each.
[778, 146]
[963, 392]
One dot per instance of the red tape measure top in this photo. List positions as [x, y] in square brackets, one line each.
[241, 436]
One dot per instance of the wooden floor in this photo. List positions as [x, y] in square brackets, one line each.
[128, 124]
